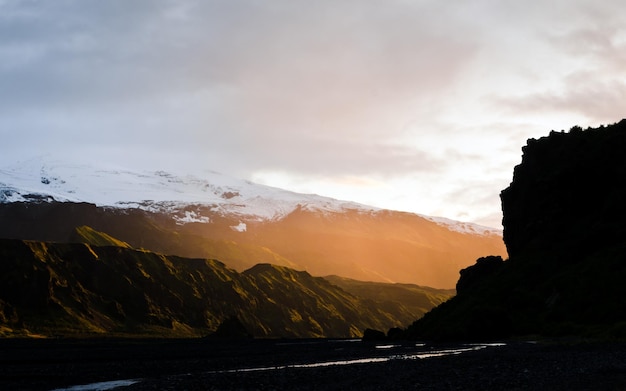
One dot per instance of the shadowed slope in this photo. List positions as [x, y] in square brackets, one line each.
[383, 246]
[80, 289]
[406, 302]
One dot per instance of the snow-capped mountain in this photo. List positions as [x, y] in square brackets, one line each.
[159, 191]
[155, 191]
[235, 221]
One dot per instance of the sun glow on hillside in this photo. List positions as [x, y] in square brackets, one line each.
[400, 193]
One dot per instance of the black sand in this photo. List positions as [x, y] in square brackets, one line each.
[200, 365]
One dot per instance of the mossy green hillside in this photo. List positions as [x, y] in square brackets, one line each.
[81, 289]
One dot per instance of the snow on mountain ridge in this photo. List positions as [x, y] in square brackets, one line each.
[160, 191]
[463, 227]
[157, 191]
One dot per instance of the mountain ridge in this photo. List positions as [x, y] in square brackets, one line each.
[74, 290]
[306, 232]
[39, 180]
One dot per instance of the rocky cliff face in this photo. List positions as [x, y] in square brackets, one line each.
[564, 230]
[568, 193]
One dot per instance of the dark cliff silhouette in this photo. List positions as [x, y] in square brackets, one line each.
[231, 328]
[564, 215]
[568, 194]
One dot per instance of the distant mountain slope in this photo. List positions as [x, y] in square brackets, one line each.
[86, 234]
[79, 289]
[414, 300]
[185, 198]
[564, 227]
[238, 222]
[383, 246]
[175, 195]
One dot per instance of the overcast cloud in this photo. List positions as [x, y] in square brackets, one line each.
[413, 105]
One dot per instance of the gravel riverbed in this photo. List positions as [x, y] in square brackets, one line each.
[286, 365]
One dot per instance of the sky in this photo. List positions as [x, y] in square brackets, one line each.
[413, 105]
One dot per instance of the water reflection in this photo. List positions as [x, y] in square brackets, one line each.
[403, 356]
[386, 346]
[101, 386]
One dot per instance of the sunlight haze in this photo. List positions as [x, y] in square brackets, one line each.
[420, 106]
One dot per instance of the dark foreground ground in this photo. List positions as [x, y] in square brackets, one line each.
[200, 365]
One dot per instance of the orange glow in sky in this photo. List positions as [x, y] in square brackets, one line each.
[420, 106]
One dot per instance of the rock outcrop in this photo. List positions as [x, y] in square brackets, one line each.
[568, 193]
[564, 229]
[473, 275]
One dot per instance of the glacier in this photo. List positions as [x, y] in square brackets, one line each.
[181, 195]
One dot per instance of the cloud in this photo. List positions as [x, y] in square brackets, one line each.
[595, 101]
[291, 83]
[351, 157]
[604, 45]
[578, 71]
[415, 93]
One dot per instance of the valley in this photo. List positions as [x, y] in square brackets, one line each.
[81, 290]
[90, 251]
[238, 223]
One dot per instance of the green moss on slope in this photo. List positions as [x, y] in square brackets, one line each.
[89, 235]
[83, 289]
